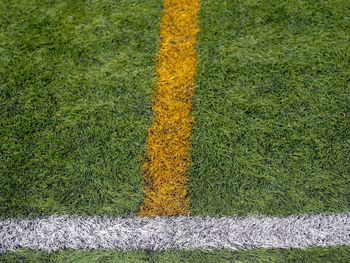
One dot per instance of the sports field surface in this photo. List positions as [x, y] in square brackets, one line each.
[174, 131]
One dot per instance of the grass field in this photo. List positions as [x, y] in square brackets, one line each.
[314, 255]
[76, 94]
[272, 108]
[271, 115]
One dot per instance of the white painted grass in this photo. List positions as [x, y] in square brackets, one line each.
[62, 232]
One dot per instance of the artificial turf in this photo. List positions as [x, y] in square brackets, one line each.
[311, 255]
[272, 108]
[77, 80]
[271, 111]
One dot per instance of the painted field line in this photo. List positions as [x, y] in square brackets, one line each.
[167, 161]
[160, 233]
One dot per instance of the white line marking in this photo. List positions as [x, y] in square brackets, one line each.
[62, 232]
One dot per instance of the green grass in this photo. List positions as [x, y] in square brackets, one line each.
[272, 108]
[272, 124]
[312, 255]
[76, 79]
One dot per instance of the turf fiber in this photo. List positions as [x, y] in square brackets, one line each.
[313, 255]
[271, 109]
[76, 82]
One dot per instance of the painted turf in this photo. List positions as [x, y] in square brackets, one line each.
[160, 233]
[165, 181]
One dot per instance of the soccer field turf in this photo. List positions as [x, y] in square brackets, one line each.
[311, 255]
[271, 115]
[271, 109]
[77, 80]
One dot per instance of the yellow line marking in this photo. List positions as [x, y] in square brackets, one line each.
[165, 181]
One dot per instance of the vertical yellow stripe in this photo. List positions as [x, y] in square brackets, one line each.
[165, 181]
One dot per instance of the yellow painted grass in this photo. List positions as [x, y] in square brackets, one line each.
[167, 161]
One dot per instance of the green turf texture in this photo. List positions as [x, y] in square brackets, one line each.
[312, 255]
[272, 108]
[77, 80]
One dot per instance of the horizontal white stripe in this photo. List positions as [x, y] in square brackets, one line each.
[62, 232]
